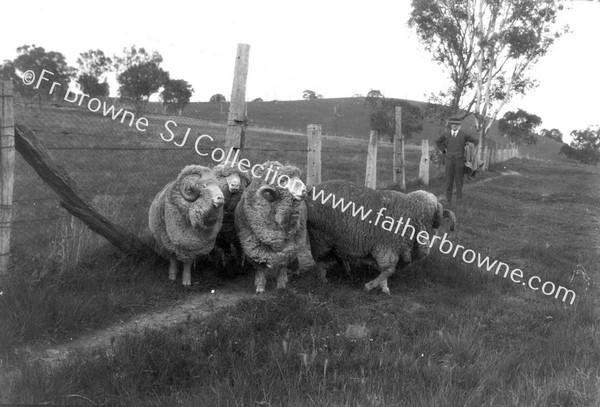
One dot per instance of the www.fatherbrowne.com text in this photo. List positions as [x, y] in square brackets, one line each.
[220, 156]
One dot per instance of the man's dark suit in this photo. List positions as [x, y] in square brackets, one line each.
[453, 147]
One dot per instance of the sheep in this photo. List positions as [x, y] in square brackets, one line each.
[185, 218]
[232, 182]
[270, 220]
[333, 232]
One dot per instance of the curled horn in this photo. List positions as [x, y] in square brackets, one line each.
[449, 214]
[268, 192]
[189, 193]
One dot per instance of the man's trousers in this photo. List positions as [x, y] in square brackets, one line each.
[455, 168]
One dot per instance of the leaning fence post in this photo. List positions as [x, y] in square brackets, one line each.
[7, 166]
[236, 121]
[424, 164]
[313, 160]
[371, 176]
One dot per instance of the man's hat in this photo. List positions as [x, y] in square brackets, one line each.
[455, 120]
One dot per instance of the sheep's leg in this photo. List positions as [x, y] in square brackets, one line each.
[172, 269]
[322, 272]
[282, 278]
[260, 279]
[346, 267]
[387, 265]
[187, 273]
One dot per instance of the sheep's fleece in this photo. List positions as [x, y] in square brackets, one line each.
[186, 216]
[270, 221]
[339, 234]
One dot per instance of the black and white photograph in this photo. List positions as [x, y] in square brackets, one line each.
[318, 203]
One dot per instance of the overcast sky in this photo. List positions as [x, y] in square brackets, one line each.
[336, 48]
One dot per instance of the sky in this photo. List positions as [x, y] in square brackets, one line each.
[336, 48]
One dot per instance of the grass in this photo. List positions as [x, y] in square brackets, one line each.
[450, 334]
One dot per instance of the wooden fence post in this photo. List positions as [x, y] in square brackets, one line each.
[7, 166]
[313, 160]
[399, 177]
[424, 164]
[371, 175]
[236, 121]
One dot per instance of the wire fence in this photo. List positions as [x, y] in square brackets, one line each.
[123, 167]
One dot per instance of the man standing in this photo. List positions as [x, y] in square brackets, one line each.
[452, 145]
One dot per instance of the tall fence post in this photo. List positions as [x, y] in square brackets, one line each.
[424, 164]
[236, 121]
[371, 175]
[399, 177]
[313, 160]
[7, 166]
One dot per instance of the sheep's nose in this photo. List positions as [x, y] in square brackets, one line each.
[301, 196]
[234, 186]
[218, 200]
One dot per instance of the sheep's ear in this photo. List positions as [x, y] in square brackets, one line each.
[268, 192]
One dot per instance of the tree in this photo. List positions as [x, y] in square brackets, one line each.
[585, 146]
[36, 59]
[8, 72]
[217, 97]
[487, 48]
[553, 134]
[90, 85]
[309, 94]
[139, 82]
[520, 126]
[176, 95]
[586, 139]
[374, 94]
[93, 64]
[383, 117]
[140, 75]
[133, 56]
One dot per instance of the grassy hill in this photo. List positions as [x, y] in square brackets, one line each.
[346, 117]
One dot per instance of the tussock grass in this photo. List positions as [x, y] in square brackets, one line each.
[450, 334]
[68, 302]
[296, 349]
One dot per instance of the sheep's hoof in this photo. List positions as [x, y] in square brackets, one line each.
[322, 277]
[368, 287]
[385, 290]
[187, 283]
[260, 291]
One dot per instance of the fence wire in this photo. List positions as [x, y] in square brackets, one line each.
[123, 168]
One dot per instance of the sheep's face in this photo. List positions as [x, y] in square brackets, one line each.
[197, 195]
[281, 197]
[232, 183]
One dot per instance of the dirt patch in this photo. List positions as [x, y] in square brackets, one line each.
[198, 305]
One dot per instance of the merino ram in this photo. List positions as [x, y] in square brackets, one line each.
[185, 218]
[336, 233]
[233, 183]
[270, 221]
